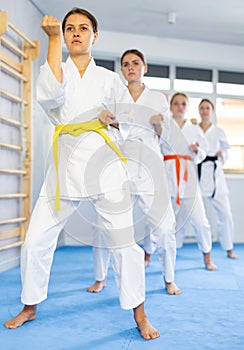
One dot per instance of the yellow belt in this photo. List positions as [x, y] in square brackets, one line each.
[76, 130]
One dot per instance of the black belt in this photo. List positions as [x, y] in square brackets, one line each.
[199, 169]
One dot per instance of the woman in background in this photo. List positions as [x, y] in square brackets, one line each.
[185, 147]
[211, 176]
[147, 173]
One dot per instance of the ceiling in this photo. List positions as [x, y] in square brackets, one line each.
[215, 21]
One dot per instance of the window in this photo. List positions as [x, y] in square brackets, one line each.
[193, 80]
[157, 77]
[109, 64]
[230, 117]
[193, 86]
[230, 83]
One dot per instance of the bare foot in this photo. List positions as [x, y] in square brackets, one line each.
[27, 314]
[147, 331]
[210, 266]
[147, 259]
[231, 254]
[172, 288]
[97, 286]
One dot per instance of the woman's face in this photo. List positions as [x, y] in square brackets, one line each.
[78, 34]
[133, 68]
[179, 106]
[205, 111]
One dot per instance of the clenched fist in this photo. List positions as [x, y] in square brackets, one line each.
[156, 119]
[51, 26]
[106, 117]
[194, 147]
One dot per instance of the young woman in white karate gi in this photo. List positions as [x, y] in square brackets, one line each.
[88, 166]
[212, 179]
[184, 147]
[147, 173]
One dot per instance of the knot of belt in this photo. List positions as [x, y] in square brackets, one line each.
[177, 158]
[75, 130]
[199, 169]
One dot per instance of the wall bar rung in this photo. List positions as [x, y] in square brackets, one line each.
[13, 47]
[12, 245]
[13, 195]
[12, 71]
[12, 97]
[9, 146]
[13, 171]
[11, 62]
[23, 36]
[13, 221]
[12, 121]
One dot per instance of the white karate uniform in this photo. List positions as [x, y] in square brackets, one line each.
[88, 169]
[147, 174]
[191, 208]
[213, 185]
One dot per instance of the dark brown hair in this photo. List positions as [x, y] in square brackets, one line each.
[206, 100]
[81, 12]
[135, 52]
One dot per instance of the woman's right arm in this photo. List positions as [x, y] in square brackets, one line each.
[51, 82]
[52, 27]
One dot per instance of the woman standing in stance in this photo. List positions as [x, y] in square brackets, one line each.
[74, 94]
[211, 176]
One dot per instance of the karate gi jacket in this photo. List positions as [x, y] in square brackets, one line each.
[214, 179]
[177, 142]
[87, 165]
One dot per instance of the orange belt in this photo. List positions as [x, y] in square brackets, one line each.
[177, 158]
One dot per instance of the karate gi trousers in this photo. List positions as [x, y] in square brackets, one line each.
[192, 210]
[41, 240]
[225, 225]
[160, 237]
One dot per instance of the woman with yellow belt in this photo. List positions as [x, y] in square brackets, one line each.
[81, 99]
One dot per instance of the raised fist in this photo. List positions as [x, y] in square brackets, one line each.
[51, 26]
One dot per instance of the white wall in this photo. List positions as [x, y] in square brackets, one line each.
[162, 50]
[236, 188]
[24, 16]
